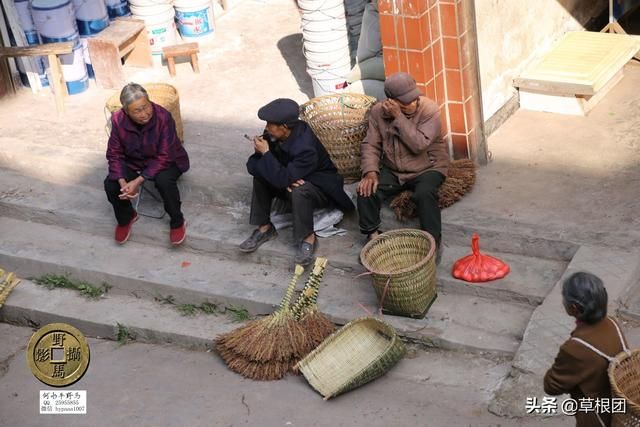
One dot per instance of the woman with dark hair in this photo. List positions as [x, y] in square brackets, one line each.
[578, 369]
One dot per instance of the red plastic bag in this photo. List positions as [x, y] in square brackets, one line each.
[478, 267]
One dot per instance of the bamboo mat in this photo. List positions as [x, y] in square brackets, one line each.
[580, 63]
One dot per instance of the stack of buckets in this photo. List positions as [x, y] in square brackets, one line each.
[194, 17]
[55, 21]
[326, 44]
[92, 17]
[29, 28]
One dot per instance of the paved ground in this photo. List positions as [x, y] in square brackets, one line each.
[151, 385]
[556, 185]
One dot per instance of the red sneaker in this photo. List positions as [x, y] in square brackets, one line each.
[124, 231]
[177, 235]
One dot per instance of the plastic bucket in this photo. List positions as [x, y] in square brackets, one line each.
[330, 79]
[160, 24]
[195, 18]
[91, 16]
[87, 57]
[324, 14]
[55, 20]
[117, 8]
[26, 22]
[74, 69]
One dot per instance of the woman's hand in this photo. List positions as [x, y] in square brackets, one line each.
[129, 190]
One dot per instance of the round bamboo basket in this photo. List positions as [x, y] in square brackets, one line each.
[162, 94]
[340, 122]
[359, 352]
[403, 267]
[624, 376]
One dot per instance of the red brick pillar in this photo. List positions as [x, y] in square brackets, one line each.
[435, 41]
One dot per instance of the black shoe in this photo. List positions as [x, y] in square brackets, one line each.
[257, 238]
[304, 254]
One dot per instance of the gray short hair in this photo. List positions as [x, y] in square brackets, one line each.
[131, 93]
[588, 293]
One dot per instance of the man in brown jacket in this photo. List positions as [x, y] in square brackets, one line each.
[579, 370]
[403, 150]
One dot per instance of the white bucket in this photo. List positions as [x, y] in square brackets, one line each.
[195, 18]
[324, 36]
[55, 20]
[74, 70]
[322, 14]
[91, 16]
[328, 80]
[306, 5]
[160, 24]
[87, 57]
[26, 22]
[117, 8]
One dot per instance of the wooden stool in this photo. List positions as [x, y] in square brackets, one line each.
[51, 50]
[187, 49]
[124, 38]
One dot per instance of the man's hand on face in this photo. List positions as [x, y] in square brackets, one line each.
[368, 185]
[260, 144]
[391, 107]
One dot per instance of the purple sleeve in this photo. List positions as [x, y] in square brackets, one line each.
[168, 142]
[115, 152]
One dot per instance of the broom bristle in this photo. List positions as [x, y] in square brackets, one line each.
[317, 328]
[460, 180]
[259, 371]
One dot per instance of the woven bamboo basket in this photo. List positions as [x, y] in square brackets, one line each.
[359, 352]
[340, 122]
[403, 267]
[624, 376]
[162, 94]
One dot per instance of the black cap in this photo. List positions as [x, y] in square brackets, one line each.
[281, 111]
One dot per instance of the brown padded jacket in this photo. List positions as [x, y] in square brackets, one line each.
[409, 145]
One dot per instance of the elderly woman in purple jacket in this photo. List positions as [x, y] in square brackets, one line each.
[144, 146]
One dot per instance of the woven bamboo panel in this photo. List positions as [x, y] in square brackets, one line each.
[580, 63]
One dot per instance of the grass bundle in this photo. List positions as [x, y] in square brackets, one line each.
[460, 180]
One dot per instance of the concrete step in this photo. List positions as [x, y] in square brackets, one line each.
[135, 270]
[218, 231]
[146, 321]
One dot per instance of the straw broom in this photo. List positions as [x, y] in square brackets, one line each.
[317, 327]
[460, 180]
[263, 349]
[8, 281]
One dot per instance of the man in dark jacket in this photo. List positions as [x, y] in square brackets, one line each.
[290, 163]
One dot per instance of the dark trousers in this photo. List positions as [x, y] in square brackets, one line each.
[425, 196]
[166, 182]
[303, 199]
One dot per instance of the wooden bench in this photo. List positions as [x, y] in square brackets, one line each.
[51, 50]
[187, 49]
[125, 40]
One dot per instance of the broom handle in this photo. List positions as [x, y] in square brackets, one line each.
[284, 305]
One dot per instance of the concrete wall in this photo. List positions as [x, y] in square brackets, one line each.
[511, 33]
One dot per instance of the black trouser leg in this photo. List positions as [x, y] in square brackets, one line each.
[167, 184]
[261, 198]
[369, 207]
[425, 196]
[304, 200]
[122, 208]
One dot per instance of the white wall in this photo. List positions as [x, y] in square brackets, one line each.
[511, 33]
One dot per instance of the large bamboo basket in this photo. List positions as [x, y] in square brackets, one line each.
[403, 267]
[340, 122]
[624, 376]
[162, 94]
[359, 352]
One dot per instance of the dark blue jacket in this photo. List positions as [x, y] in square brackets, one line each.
[300, 156]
